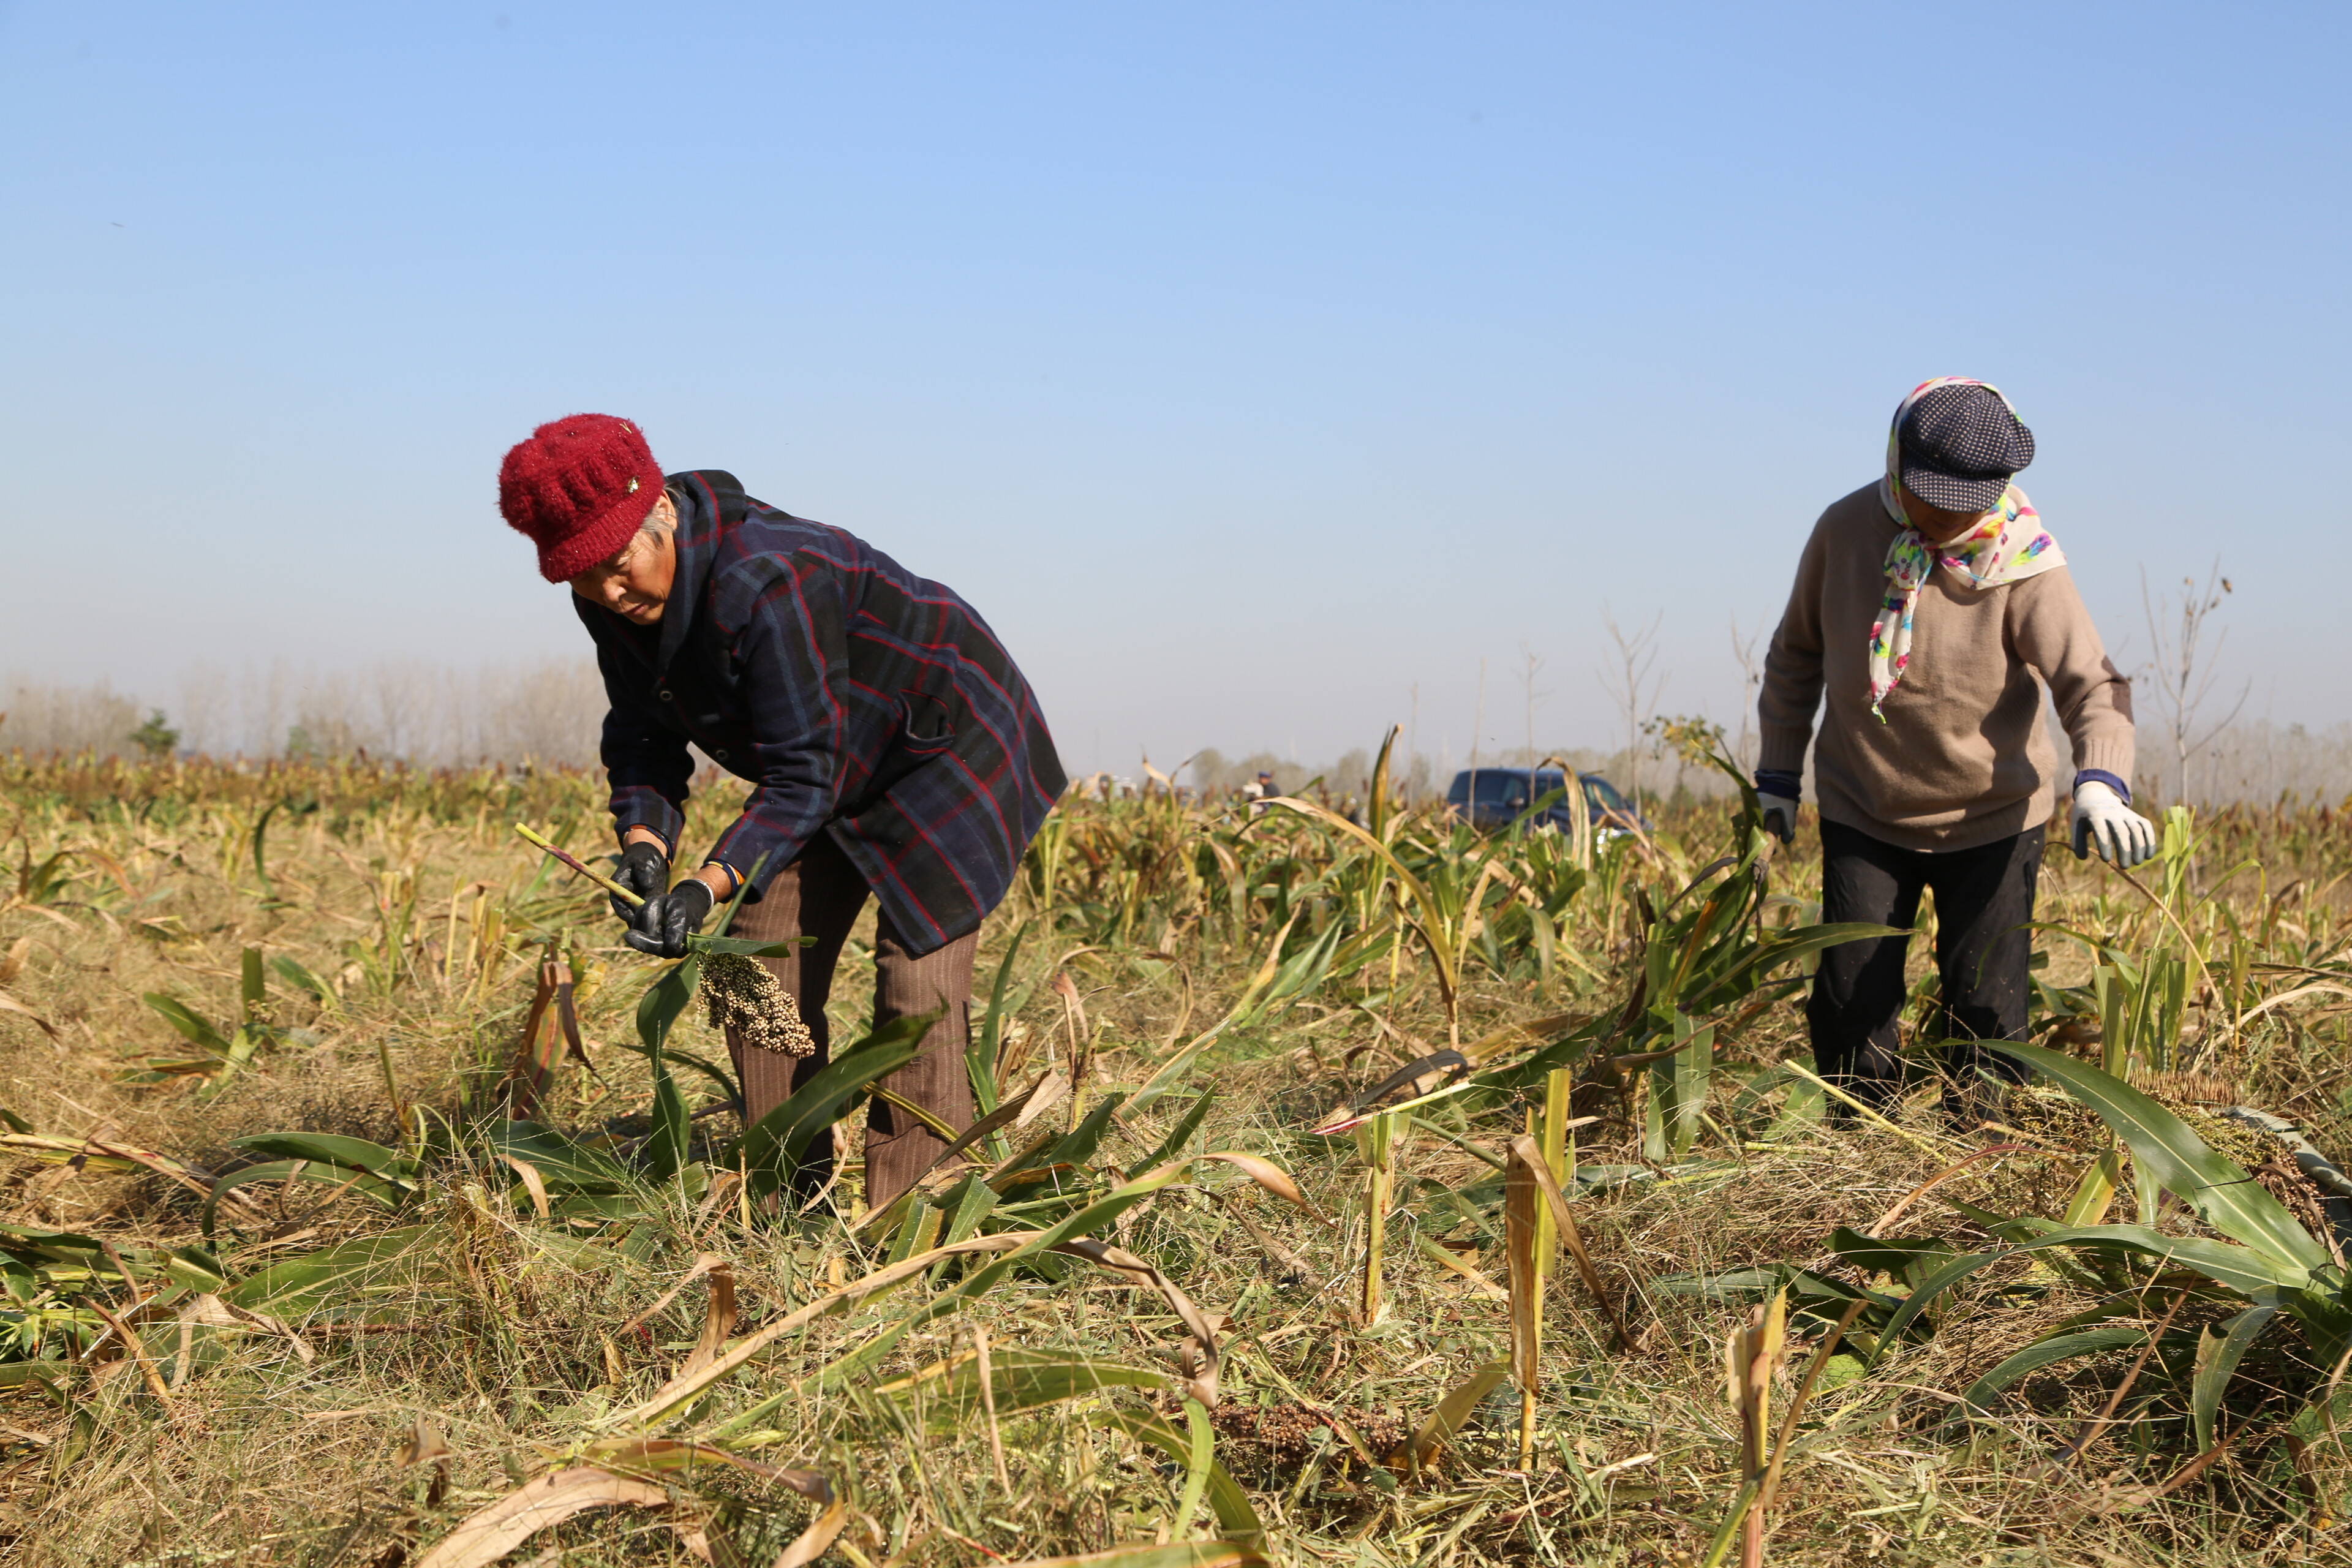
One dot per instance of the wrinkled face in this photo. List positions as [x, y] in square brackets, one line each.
[1935, 525]
[634, 582]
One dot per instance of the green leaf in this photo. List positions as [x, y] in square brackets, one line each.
[665, 1000]
[1305, 970]
[196, 1268]
[2240, 1268]
[967, 1204]
[981, 1280]
[2224, 1196]
[198, 1032]
[1950, 1274]
[984, 1052]
[2034, 1357]
[1235, 1515]
[252, 988]
[2218, 1355]
[702, 1064]
[331, 1149]
[307, 1280]
[302, 979]
[389, 1194]
[1907, 1258]
[665, 1150]
[947, 1399]
[1198, 1462]
[1181, 1133]
[561, 1163]
[748, 946]
[773, 1147]
[1760, 960]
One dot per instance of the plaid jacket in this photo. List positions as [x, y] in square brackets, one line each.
[863, 700]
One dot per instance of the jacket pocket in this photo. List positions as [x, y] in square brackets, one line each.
[926, 723]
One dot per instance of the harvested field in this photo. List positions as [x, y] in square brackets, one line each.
[325, 1244]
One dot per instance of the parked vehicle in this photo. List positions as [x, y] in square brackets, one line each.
[1502, 795]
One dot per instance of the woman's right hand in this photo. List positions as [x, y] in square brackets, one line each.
[645, 872]
[1779, 816]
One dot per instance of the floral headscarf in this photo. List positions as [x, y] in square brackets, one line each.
[2009, 546]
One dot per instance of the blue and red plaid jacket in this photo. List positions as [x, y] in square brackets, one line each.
[863, 700]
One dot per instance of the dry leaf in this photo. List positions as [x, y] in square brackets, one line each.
[10, 1005]
[719, 1316]
[662, 1456]
[1265, 1173]
[811, 1542]
[490, 1532]
[532, 1183]
[425, 1445]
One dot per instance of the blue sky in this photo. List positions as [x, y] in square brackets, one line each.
[1246, 365]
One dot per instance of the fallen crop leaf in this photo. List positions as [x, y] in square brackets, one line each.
[489, 1533]
[1265, 1173]
[664, 1456]
[1184, 1554]
[719, 1316]
[532, 1183]
[425, 1445]
[10, 1005]
[811, 1542]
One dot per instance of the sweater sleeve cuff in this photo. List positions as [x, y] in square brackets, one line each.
[640, 805]
[1781, 749]
[1781, 781]
[2100, 776]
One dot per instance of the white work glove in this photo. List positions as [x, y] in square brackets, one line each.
[1779, 816]
[2122, 836]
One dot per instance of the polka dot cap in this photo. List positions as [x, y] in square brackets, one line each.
[1960, 443]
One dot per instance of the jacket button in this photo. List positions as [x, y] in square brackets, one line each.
[667, 697]
[719, 756]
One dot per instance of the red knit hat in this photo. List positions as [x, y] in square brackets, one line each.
[578, 489]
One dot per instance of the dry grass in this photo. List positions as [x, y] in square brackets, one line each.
[513, 1340]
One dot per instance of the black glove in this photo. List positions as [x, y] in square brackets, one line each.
[662, 926]
[645, 872]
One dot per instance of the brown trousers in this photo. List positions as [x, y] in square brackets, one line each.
[819, 895]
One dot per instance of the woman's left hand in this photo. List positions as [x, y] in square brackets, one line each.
[2122, 836]
[661, 925]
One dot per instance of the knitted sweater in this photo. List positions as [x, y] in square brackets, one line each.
[1962, 758]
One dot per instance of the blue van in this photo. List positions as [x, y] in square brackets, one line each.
[1502, 795]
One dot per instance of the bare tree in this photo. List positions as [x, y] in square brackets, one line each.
[1752, 680]
[2184, 665]
[1412, 745]
[1529, 669]
[1631, 684]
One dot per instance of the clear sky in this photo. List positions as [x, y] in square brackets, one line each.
[1245, 364]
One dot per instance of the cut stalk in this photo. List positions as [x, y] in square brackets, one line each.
[1522, 1221]
[1378, 1140]
[1551, 1136]
[633, 899]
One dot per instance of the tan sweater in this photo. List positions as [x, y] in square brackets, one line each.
[1962, 758]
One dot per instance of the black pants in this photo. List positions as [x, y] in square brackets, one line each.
[1984, 897]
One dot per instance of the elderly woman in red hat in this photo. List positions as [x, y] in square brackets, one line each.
[894, 748]
[1926, 605]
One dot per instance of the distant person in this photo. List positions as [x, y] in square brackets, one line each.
[894, 748]
[1926, 603]
[1258, 791]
